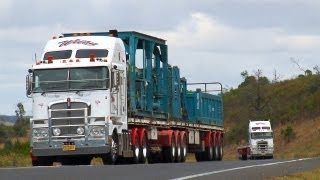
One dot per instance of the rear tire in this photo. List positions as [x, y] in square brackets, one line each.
[169, 152]
[220, 153]
[143, 150]
[244, 157]
[215, 151]
[209, 151]
[199, 156]
[136, 150]
[178, 150]
[183, 149]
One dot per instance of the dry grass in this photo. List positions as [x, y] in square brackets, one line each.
[310, 175]
[14, 160]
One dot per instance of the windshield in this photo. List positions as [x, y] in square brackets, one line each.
[70, 79]
[85, 53]
[65, 54]
[261, 135]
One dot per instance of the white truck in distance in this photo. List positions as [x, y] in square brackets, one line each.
[260, 139]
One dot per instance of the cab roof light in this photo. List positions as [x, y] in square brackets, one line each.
[70, 60]
[113, 33]
[50, 59]
[91, 57]
[77, 60]
[64, 61]
[54, 37]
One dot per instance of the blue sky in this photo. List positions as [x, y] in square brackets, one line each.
[210, 40]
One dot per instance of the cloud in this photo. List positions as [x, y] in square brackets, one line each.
[5, 8]
[202, 32]
[300, 42]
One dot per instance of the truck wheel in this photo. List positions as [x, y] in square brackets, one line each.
[112, 156]
[169, 152]
[183, 149]
[178, 150]
[152, 158]
[244, 157]
[220, 153]
[199, 156]
[143, 150]
[216, 152]
[136, 150]
[209, 151]
[42, 162]
[86, 161]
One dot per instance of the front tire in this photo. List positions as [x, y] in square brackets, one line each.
[112, 156]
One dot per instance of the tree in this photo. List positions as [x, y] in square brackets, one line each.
[260, 101]
[21, 125]
[276, 76]
[317, 70]
[288, 134]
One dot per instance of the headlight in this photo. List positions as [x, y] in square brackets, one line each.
[44, 132]
[80, 130]
[56, 131]
[102, 131]
[97, 131]
[36, 133]
[40, 133]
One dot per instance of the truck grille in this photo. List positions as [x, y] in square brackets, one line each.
[262, 146]
[68, 120]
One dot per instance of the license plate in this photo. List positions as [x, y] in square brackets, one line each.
[69, 147]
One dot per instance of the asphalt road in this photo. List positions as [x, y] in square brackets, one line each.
[252, 169]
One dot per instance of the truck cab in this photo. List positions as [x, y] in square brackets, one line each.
[78, 90]
[260, 139]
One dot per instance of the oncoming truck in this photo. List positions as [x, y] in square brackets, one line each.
[91, 98]
[260, 141]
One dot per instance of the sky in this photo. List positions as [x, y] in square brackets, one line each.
[210, 40]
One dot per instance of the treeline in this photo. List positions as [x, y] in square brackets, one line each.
[258, 98]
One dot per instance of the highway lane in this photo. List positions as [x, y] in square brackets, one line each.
[252, 169]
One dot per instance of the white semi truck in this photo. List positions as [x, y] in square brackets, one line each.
[260, 141]
[91, 99]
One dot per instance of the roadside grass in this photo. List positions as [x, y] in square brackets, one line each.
[307, 175]
[15, 154]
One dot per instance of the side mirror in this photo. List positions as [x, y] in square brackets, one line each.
[28, 85]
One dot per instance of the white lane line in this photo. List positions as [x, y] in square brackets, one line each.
[233, 169]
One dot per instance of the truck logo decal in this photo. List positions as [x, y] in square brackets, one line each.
[77, 41]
